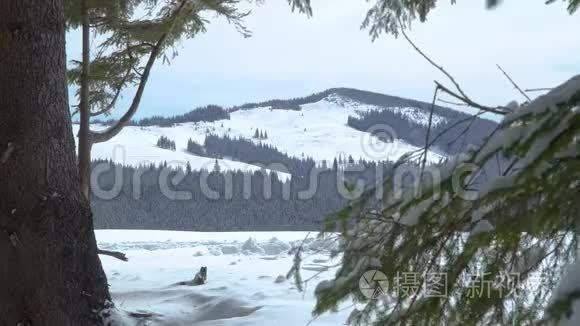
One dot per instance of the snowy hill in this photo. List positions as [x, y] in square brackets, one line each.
[360, 130]
[136, 146]
[316, 127]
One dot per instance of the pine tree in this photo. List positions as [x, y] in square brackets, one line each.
[523, 221]
[51, 274]
[129, 46]
[166, 143]
[257, 134]
[216, 167]
[265, 135]
[195, 148]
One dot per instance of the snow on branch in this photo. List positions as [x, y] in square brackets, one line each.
[114, 254]
[518, 221]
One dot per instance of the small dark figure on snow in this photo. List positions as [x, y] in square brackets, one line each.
[200, 277]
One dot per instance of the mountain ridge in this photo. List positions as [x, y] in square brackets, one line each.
[331, 121]
[362, 96]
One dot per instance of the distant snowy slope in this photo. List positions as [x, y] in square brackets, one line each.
[318, 130]
[136, 146]
[414, 114]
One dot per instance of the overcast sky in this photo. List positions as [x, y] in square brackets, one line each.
[290, 55]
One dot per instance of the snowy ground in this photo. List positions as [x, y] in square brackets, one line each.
[244, 285]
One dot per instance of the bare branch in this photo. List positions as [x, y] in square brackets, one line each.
[455, 124]
[7, 153]
[433, 63]
[429, 130]
[451, 102]
[514, 83]
[497, 110]
[114, 254]
[461, 96]
[539, 89]
[463, 132]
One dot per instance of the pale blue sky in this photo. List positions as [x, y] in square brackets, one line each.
[290, 55]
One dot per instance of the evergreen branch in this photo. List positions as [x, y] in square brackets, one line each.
[99, 137]
[119, 87]
[111, 104]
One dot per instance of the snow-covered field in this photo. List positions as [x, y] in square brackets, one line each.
[319, 130]
[246, 283]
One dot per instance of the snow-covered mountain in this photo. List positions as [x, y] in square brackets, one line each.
[316, 126]
[299, 137]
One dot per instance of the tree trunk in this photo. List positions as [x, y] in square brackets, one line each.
[85, 113]
[50, 273]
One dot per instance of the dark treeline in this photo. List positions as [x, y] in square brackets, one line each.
[166, 143]
[451, 136]
[288, 104]
[361, 96]
[195, 148]
[245, 150]
[259, 134]
[208, 113]
[239, 205]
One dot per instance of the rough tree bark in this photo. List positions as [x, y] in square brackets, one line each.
[50, 273]
[85, 144]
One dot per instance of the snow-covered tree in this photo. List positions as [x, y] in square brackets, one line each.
[519, 224]
[479, 249]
